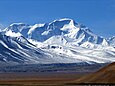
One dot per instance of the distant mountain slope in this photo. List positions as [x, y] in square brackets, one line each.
[111, 41]
[14, 50]
[18, 50]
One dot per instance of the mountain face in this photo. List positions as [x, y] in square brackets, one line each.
[111, 41]
[68, 28]
[18, 50]
[61, 41]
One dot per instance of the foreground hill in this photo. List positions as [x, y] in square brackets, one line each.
[104, 75]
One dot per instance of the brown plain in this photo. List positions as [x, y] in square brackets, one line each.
[39, 79]
[104, 75]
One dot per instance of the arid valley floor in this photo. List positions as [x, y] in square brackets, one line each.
[59, 78]
[38, 79]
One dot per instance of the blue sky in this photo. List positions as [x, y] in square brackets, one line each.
[99, 15]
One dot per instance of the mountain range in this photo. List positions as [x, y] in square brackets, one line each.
[60, 41]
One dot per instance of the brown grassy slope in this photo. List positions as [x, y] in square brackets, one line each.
[104, 75]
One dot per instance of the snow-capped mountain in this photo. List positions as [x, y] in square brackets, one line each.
[68, 29]
[61, 41]
[111, 41]
[18, 50]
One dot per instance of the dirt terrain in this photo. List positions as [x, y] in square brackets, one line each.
[105, 75]
[42, 79]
